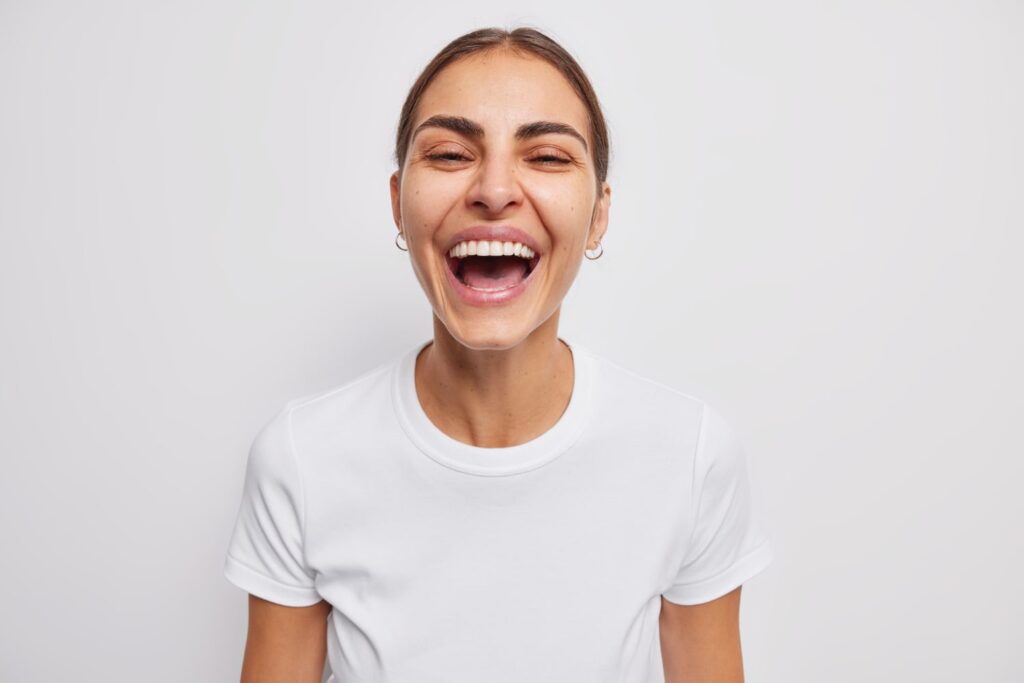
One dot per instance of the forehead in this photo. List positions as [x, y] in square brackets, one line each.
[500, 89]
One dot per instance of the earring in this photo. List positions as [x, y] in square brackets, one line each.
[400, 246]
[594, 258]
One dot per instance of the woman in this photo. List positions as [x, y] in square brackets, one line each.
[498, 504]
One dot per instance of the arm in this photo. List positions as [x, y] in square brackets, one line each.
[285, 644]
[701, 643]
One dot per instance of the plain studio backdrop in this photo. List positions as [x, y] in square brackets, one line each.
[816, 224]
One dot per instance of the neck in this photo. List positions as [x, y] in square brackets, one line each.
[495, 398]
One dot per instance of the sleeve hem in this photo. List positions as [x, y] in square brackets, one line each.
[705, 590]
[264, 587]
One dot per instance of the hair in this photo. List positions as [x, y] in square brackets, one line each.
[524, 41]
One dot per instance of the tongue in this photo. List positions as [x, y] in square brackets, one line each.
[493, 272]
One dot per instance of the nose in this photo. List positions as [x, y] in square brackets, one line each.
[496, 185]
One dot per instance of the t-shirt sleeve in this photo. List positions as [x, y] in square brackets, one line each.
[265, 555]
[729, 543]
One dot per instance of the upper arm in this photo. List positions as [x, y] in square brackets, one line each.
[701, 643]
[285, 643]
[287, 639]
[728, 543]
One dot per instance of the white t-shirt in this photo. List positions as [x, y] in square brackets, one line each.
[450, 563]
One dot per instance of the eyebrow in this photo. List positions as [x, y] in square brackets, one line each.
[469, 128]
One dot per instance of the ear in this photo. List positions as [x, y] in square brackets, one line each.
[599, 220]
[396, 207]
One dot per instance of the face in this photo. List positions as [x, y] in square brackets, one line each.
[486, 168]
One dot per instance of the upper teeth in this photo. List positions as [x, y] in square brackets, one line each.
[491, 248]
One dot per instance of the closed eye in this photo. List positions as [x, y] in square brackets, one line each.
[455, 156]
[548, 158]
[444, 156]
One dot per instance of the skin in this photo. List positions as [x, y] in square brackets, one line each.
[701, 643]
[285, 644]
[497, 376]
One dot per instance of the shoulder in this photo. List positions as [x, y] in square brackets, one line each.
[273, 450]
[644, 397]
[701, 427]
[350, 399]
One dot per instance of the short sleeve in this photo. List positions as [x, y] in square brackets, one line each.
[729, 544]
[265, 555]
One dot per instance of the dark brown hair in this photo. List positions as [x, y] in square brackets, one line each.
[523, 41]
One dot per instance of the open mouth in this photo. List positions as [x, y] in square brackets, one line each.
[491, 273]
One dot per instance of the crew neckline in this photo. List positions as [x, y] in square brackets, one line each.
[478, 460]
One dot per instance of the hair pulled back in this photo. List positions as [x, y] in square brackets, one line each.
[525, 41]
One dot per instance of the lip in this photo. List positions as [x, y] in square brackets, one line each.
[502, 233]
[479, 297]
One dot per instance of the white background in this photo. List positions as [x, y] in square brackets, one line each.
[816, 224]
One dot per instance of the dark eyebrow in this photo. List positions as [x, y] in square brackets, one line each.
[460, 124]
[532, 130]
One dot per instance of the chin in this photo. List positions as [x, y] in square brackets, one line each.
[488, 333]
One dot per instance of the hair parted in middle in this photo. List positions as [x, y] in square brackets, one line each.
[525, 41]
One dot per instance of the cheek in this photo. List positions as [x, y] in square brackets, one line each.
[568, 194]
[564, 210]
[424, 201]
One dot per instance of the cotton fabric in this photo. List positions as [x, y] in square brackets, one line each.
[449, 563]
